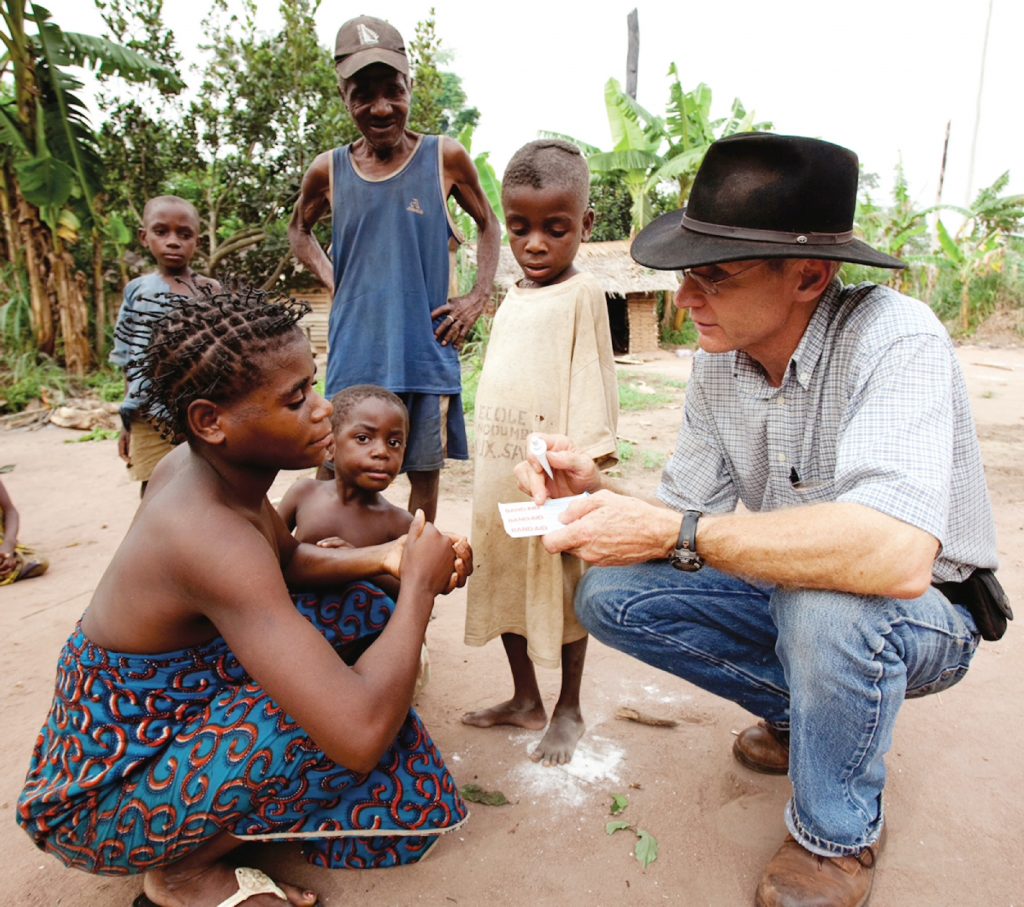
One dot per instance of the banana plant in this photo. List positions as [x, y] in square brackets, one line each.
[649, 151]
[51, 167]
[979, 246]
[637, 139]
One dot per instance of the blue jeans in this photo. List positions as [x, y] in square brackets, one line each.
[831, 667]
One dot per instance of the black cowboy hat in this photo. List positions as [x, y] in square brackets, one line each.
[758, 195]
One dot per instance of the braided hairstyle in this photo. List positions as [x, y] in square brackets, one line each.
[207, 346]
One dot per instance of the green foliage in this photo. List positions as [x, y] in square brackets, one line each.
[476, 794]
[472, 357]
[16, 312]
[97, 434]
[107, 383]
[653, 460]
[26, 376]
[646, 850]
[650, 153]
[624, 451]
[619, 804]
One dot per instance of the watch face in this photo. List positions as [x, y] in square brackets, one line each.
[684, 559]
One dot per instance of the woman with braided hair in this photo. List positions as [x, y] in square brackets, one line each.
[199, 704]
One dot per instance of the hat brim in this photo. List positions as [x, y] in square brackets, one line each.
[666, 245]
[350, 65]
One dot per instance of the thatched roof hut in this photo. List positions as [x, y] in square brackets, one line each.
[609, 262]
[632, 290]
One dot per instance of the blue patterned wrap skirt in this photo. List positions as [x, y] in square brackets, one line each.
[143, 758]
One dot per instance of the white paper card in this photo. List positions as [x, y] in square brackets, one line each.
[524, 518]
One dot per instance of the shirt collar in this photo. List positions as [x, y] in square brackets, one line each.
[808, 352]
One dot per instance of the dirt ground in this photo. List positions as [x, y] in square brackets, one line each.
[955, 797]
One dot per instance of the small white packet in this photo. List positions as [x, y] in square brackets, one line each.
[524, 518]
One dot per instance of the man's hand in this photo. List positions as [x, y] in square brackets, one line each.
[124, 446]
[614, 530]
[458, 317]
[574, 473]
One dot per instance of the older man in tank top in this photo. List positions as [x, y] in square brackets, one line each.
[388, 271]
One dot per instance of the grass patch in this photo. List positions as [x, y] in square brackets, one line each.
[107, 383]
[27, 376]
[625, 451]
[638, 391]
[654, 459]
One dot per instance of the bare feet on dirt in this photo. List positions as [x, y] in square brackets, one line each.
[211, 886]
[528, 715]
[559, 743]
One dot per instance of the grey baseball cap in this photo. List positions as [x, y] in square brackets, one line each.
[365, 40]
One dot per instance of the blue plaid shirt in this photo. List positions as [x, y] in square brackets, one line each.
[873, 410]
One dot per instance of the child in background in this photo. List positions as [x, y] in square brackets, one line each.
[16, 561]
[549, 368]
[170, 231]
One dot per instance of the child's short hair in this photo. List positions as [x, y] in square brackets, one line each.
[205, 347]
[344, 401]
[147, 211]
[549, 162]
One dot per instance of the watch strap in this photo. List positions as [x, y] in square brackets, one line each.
[688, 531]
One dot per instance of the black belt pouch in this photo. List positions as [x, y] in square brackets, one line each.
[982, 595]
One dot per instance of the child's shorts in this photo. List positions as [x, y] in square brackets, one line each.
[437, 430]
[148, 447]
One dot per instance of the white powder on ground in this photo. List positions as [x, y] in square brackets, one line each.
[591, 773]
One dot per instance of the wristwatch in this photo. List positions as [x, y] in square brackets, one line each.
[685, 556]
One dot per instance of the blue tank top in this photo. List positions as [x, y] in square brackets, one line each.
[390, 256]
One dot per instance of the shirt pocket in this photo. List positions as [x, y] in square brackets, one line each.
[811, 489]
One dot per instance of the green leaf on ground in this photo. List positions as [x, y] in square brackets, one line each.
[646, 850]
[476, 794]
[97, 434]
[619, 803]
[615, 826]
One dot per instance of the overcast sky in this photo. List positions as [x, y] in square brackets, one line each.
[879, 76]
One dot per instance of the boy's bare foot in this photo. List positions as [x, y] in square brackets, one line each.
[559, 743]
[525, 715]
[210, 885]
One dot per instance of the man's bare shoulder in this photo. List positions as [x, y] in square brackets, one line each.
[457, 161]
[319, 171]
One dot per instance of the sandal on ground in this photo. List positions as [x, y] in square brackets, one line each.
[250, 883]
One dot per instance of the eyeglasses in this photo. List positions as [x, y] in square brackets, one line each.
[708, 286]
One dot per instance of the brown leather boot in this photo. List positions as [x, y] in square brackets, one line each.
[795, 877]
[763, 749]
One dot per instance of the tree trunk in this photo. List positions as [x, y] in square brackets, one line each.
[632, 53]
[35, 240]
[98, 293]
[73, 310]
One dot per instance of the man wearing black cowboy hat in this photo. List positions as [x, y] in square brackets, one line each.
[839, 418]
